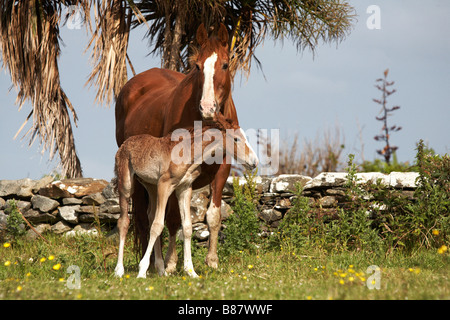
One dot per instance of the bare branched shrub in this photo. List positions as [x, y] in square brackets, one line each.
[311, 158]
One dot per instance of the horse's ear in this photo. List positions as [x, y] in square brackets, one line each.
[202, 35]
[223, 34]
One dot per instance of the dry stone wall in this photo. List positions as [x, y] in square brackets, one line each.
[70, 206]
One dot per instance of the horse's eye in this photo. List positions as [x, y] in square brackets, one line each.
[225, 66]
[236, 139]
[197, 66]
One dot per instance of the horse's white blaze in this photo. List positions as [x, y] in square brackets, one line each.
[208, 96]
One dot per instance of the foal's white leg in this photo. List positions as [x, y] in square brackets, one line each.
[164, 190]
[159, 261]
[124, 185]
[184, 200]
[122, 225]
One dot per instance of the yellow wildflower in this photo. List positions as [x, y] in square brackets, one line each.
[51, 257]
[308, 298]
[19, 288]
[435, 232]
[42, 259]
[57, 266]
[443, 249]
[28, 274]
[6, 245]
[150, 288]
[341, 281]
[127, 276]
[7, 263]
[351, 279]
[250, 266]
[61, 279]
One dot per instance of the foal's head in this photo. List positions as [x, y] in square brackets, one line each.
[240, 149]
[212, 66]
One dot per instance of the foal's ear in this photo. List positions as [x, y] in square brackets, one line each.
[202, 35]
[223, 35]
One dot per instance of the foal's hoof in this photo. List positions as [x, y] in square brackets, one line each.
[119, 271]
[142, 276]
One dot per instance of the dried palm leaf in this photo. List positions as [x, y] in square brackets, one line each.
[29, 39]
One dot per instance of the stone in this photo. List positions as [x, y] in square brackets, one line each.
[287, 183]
[335, 192]
[327, 202]
[44, 204]
[71, 201]
[21, 205]
[3, 220]
[69, 213]
[109, 191]
[283, 203]
[41, 228]
[94, 199]
[103, 217]
[402, 180]
[200, 231]
[41, 183]
[327, 179]
[225, 210]
[270, 215]
[373, 177]
[61, 227]
[21, 188]
[262, 184]
[35, 216]
[111, 208]
[2, 203]
[82, 229]
[199, 205]
[77, 187]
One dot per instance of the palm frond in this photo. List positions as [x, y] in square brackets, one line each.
[29, 40]
[109, 43]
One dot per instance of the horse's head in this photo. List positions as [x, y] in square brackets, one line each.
[212, 65]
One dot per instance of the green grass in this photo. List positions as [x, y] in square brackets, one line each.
[265, 274]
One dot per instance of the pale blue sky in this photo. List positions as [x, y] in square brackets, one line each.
[300, 95]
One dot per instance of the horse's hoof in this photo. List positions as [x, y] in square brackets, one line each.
[212, 262]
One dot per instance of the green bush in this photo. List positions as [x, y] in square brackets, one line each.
[375, 218]
[14, 222]
[243, 226]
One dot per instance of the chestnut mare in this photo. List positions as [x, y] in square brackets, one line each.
[158, 101]
[156, 164]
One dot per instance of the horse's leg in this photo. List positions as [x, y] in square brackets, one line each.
[213, 217]
[125, 183]
[173, 223]
[159, 262]
[165, 188]
[184, 200]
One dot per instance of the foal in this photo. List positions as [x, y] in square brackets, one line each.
[150, 160]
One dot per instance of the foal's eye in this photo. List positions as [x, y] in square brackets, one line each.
[225, 66]
[236, 139]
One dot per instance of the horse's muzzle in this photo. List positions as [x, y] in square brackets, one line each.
[207, 110]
